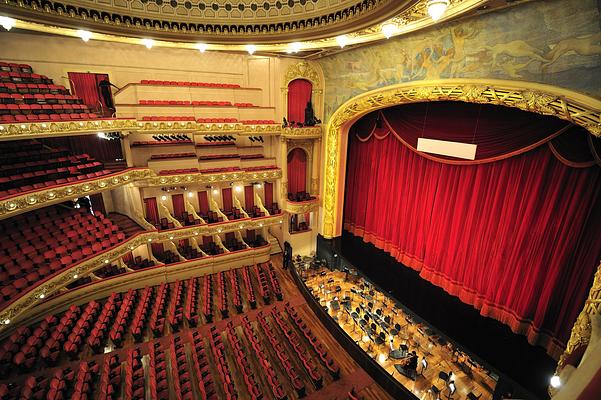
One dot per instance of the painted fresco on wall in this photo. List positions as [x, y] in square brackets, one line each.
[555, 42]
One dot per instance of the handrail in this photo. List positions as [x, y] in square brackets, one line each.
[52, 283]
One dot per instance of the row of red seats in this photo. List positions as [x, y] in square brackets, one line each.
[118, 331]
[157, 315]
[223, 169]
[171, 156]
[140, 319]
[222, 295]
[273, 279]
[23, 77]
[261, 355]
[57, 161]
[260, 168]
[134, 375]
[243, 364]
[218, 156]
[180, 376]
[39, 99]
[109, 271]
[235, 285]
[249, 287]
[293, 339]
[215, 144]
[175, 313]
[264, 291]
[84, 381]
[218, 350]
[281, 353]
[178, 171]
[110, 378]
[163, 118]
[187, 83]
[258, 122]
[100, 331]
[206, 385]
[157, 143]
[42, 109]
[81, 329]
[207, 301]
[18, 118]
[191, 305]
[14, 67]
[193, 103]
[157, 373]
[251, 156]
[32, 88]
[326, 360]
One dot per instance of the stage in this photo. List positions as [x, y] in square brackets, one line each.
[490, 340]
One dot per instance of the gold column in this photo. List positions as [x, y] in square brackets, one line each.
[315, 167]
[284, 167]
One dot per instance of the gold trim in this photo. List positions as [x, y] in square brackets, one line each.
[572, 106]
[314, 132]
[52, 285]
[44, 197]
[302, 207]
[31, 130]
[245, 176]
[302, 70]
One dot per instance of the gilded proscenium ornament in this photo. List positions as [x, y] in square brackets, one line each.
[572, 106]
[44, 197]
[243, 176]
[302, 207]
[312, 132]
[53, 284]
[302, 70]
[32, 130]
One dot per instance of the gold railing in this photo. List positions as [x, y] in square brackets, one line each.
[36, 294]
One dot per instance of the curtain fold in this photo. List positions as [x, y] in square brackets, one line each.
[157, 249]
[203, 202]
[250, 235]
[299, 94]
[152, 210]
[268, 187]
[101, 149]
[86, 87]
[297, 171]
[249, 197]
[514, 238]
[178, 205]
[226, 194]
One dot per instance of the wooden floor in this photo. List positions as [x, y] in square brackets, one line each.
[351, 376]
[440, 355]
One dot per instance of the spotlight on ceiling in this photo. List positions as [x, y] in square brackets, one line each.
[342, 41]
[84, 35]
[7, 22]
[148, 43]
[436, 8]
[555, 381]
[295, 47]
[202, 47]
[388, 30]
[251, 48]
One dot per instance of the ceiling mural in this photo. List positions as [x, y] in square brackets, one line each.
[555, 42]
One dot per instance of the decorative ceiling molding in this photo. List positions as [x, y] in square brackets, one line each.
[409, 16]
[534, 97]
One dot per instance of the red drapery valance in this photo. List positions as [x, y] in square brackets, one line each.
[514, 238]
[297, 171]
[226, 194]
[178, 205]
[152, 210]
[268, 187]
[249, 197]
[299, 94]
[203, 202]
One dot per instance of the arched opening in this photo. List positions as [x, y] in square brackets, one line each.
[299, 95]
[297, 174]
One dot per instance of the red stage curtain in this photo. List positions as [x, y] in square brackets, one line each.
[517, 239]
[100, 149]
[203, 202]
[152, 210]
[226, 194]
[157, 249]
[249, 197]
[299, 93]
[268, 188]
[128, 257]
[297, 171]
[86, 87]
[178, 205]
[499, 132]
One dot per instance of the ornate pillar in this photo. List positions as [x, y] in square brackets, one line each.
[315, 167]
[284, 167]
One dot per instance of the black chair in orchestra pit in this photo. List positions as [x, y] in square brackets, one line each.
[379, 312]
[387, 319]
[370, 305]
[435, 392]
[443, 376]
[381, 339]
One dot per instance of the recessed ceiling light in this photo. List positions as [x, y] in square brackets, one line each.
[342, 40]
[201, 47]
[84, 35]
[389, 29]
[148, 43]
[251, 48]
[437, 8]
[7, 22]
[295, 47]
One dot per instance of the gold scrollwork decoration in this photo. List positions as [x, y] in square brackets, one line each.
[293, 207]
[31, 130]
[302, 70]
[312, 132]
[572, 106]
[244, 176]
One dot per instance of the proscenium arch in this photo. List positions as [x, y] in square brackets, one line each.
[569, 105]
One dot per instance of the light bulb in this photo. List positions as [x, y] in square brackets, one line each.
[148, 43]
[555, 381]
[295, 47]
[436, 8]
[201, 47]
[7, 22]
[163, 197]
[190, 194]
[342, 41]
[84, 35]
[251, 48]
[388, 30]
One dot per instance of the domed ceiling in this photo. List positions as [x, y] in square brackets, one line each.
[224, 21]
